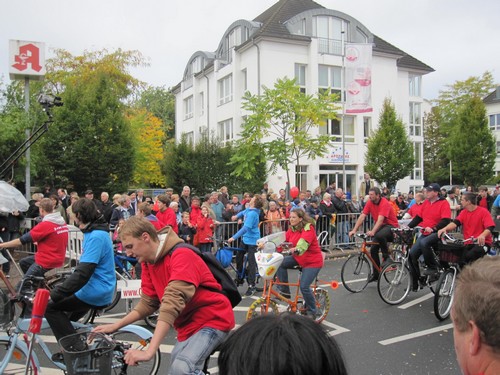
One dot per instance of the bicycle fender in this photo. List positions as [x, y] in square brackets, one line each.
[21, 345]
[138, 330]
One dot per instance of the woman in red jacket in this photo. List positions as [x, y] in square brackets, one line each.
[205, 229]
[306, 254]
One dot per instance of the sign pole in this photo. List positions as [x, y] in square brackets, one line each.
[28, 152]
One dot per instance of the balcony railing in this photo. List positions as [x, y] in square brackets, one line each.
[330, 46]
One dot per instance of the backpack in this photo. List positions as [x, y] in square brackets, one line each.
[229, 288]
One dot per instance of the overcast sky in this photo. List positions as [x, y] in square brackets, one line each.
[458, 38]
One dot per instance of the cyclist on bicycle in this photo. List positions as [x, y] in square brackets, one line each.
[92, 284]
[181, 286]
[306, 253]
[476, 222]
[385, 219]
[435, 215]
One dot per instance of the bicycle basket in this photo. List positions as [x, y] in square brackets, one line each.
[224, 257]
[450, 253]
[97, 357]
[6, 309]
[268, 264]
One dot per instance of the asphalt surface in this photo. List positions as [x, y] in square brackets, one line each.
[375, 338]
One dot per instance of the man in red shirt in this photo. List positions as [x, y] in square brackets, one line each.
[51, 237]
[181, 285]
[384, 217]
[476, 319]
[435, 215]
[476, 222]
[166, 215]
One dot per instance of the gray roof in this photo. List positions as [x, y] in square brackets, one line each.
[493, 97]
[273, 24]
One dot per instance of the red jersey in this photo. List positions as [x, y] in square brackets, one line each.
[475, 222]
[52, 240]
[415, 210]
[312, 257]
[168, 217]
[432, 213]
[206, 308]
[205, 229]
[383, 208]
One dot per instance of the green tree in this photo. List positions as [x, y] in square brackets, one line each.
[204, 167]
[450, 103]
[436, 161]
[390, 155]
[281, 128]
[161, 103]
[90, 144]
[472, 145]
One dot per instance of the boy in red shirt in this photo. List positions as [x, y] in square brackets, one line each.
[51, 237]
[181, 285]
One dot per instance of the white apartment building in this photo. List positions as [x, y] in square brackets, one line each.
[301, 39]
[492, 103]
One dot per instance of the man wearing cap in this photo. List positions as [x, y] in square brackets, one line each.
[435, 214]
[89, 194]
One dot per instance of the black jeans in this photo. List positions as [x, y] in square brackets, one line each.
[251, 266]
[383, 235]
[60, 314]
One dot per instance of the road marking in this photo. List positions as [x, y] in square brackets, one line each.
[416, 301]
[416, 334]
[337, 329]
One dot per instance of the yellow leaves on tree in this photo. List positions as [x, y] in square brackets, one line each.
[148, 135]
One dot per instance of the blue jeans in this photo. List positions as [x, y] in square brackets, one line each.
[307, 278]
[423, 246]
[342, 231]
[31, 268]
[188, 356]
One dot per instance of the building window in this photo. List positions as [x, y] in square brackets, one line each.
[334, 128]
[225, 130]
[498, 147]
[225, 89]
[301, 177]
[245, 80]
[300, 77]
[417, 171]
[188, 107]
[189, 137]
[201, 103]
[415, 119]
[367, 128]
[330, 77]
[328, 30]
[414, 83]
[495, 122]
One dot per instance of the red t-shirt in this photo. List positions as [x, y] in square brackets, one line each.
[52, 240]
[312, 258]
[475, 222]
[206, 308]
[415, 210]
[383, 208]
[432, 213]
[168, 217]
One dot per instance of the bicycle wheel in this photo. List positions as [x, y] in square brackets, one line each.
[136, 342]
[394, 283]
[152, 319]
[444, 294]
[116, 299]
[16, 362]
[322, 304]
[355, 273]
[260, 307]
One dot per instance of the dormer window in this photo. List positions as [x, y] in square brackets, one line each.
[329, 31]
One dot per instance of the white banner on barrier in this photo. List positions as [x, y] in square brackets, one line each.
[129, 288]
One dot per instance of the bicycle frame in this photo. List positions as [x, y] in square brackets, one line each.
[364, 250]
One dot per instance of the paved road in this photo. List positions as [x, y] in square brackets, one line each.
[376, 338]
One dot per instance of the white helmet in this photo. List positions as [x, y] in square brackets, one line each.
[268, 264]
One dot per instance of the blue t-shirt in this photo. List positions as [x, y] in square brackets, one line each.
[98, 249]
[250, 230]
[496, 203]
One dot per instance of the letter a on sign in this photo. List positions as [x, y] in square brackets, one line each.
[27, 59]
